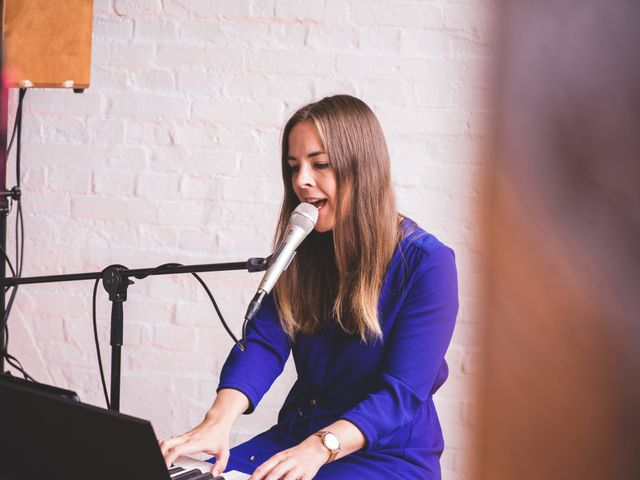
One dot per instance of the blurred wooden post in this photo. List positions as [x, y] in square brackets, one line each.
[561, 396]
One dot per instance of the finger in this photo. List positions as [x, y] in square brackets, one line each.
[185, 448]
[281, 469]
[165, 448]
[221, 463]
[265, 470]
[294, 474]
[258, 473]
[164, 441]
[168, 443]
[261, 472]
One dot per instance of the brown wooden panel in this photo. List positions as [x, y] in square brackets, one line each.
[48, 42]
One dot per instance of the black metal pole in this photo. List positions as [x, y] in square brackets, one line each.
[116, 280]
[252, 265]
[117, 327]
[3, 274]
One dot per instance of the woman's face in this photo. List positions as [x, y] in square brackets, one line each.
[313, 179]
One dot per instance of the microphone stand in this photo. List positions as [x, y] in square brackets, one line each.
[115, 280]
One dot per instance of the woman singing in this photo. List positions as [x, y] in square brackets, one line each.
[367, 307]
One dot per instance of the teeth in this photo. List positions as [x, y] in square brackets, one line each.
[318, 203]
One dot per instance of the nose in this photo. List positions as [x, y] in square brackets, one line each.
[304, 177]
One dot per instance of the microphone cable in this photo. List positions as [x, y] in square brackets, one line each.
[11, 360]
[239, 343]
[95, 337]
[19, 234]
[8, 261]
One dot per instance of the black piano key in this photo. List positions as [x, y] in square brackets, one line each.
[189, 475]
[174, 470]
[206, 476]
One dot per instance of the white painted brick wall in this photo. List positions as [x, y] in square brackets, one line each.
[172, 155]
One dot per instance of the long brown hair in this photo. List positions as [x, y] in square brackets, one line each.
[340, 273]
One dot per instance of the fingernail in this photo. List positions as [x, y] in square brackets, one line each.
[216, 473]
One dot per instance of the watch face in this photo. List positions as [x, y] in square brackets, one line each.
[331, 441]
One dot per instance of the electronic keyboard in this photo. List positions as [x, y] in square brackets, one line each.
[185, 465]
[46, 433]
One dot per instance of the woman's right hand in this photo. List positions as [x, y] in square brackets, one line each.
[212, 435]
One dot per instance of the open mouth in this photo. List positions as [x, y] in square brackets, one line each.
[319, 203]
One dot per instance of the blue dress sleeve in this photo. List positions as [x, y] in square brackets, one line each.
[414, 349]
[253, 371]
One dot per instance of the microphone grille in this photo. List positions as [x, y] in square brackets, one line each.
[305, 216]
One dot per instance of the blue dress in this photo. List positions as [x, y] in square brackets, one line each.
[384, 388]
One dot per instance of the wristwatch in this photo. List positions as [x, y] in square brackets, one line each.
[330, 442]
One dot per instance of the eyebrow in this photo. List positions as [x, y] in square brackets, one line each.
[311, 155]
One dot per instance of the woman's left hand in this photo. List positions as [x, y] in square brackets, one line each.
[301, 462]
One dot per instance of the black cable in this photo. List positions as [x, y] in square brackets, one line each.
[8, 260]
[19, 261]
[19, 217]
[241, 344]
[156, 269]
[95, 337]
[23, 92]
[19, 250]
[5, 338]
[19, 235]
[21, 95]
[15, 363]
[5, 341]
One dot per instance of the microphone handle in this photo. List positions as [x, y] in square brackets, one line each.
[256, 303]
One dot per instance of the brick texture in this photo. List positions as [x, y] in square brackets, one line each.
[171, 155]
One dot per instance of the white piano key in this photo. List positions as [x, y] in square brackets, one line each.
[189, 463]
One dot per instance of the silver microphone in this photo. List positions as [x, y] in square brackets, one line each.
[301, 222]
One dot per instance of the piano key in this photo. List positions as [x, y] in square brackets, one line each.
[188, 475]
[206, 476]
[174, 470]
[189, 463]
